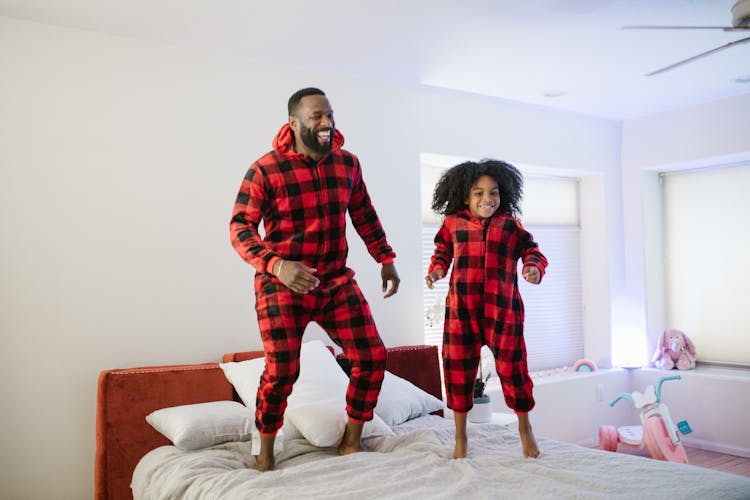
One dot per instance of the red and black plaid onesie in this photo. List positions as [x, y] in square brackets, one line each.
[484, 305]
[303, 206]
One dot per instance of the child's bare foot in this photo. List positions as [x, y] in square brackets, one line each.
[462, 440]
[264, 463]
[351, 442]
[530, 448]
[461, 448]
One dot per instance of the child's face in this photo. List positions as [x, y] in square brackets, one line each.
[484, 197]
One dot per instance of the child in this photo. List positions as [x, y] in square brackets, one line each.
[484, 240]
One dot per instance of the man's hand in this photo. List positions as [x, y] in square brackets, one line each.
[388, 273]
[435, 275]
[296, 276]
[531, 274]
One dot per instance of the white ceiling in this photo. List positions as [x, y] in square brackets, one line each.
[517, 50]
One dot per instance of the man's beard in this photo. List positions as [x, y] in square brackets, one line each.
[310, 139]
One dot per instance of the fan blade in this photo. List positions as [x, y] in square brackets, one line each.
[651, 27]
[703, 54]
[723, 28]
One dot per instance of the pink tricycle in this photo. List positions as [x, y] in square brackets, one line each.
[657, 433]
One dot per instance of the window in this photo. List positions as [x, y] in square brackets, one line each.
[434, 300]
[554, 321]
[706, 244]
[553, 328]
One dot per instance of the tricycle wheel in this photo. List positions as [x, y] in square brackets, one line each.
[607, 438]
[659, 444]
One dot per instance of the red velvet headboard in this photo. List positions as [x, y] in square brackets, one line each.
[126, 396]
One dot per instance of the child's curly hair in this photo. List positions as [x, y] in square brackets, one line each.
[455, 185]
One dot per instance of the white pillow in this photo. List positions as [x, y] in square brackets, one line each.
[200, 425]
[245, 377]
[323, 423]
[400, 400]
[321, 383]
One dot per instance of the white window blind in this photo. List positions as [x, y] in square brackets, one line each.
[434, 300]
[553, 325]
[554, 320]
[707, 244]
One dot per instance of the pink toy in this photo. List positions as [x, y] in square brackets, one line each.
[656, 433]
[674, 349]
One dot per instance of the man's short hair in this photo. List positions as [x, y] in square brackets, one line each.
[297, 97]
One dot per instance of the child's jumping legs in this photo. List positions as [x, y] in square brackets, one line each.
[461, 437]
[530, 448]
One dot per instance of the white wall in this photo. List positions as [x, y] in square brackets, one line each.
[571, 407]
[119, 165]
[701, 136]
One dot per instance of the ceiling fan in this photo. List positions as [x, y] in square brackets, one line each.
[740, 23]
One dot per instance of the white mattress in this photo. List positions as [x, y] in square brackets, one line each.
[417, 463]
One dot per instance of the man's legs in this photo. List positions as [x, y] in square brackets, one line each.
[348, 321]
[265, 459]
[282, 320]
[351, 442]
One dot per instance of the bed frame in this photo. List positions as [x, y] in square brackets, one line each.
[126, 396]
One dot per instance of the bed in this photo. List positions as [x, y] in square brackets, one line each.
[411, 459]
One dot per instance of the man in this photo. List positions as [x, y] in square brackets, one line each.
[302, 191]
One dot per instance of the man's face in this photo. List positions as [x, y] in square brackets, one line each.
[313, 125]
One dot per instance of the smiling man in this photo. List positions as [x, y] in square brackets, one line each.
[302, 191]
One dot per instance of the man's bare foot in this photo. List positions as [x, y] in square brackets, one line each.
[347, 449]
[265, 460]
[530, 448]
[352, 440]
[461, 448]
[264, 463]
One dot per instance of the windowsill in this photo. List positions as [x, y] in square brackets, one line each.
[714, 371]
[563, 376]
[571, 375]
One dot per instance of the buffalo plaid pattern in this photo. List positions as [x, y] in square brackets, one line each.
[484, 306]
[303, 206]
[344, 314]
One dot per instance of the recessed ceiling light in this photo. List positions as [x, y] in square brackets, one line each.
[554, 93]
[742, 79]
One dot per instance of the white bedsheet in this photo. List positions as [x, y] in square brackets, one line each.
[417, 463]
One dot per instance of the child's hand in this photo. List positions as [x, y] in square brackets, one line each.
[435, 275]
[531, 274]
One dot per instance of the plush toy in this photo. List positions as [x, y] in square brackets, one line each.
[674, 349]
